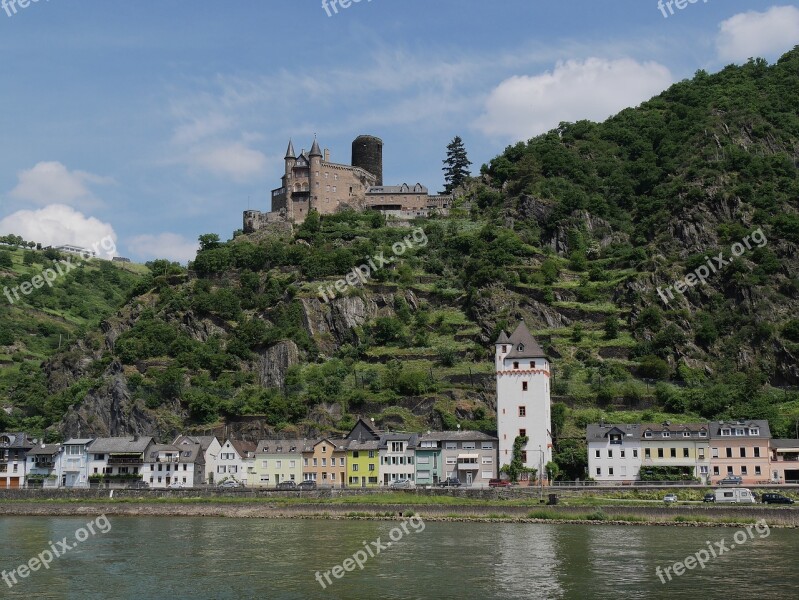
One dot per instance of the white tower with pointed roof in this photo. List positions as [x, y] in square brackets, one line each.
[523, 398]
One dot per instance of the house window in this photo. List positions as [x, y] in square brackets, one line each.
[524, 388]
[685, 453]
[647, 453]
[648, 434]
[703, 433]
[371, 453]
[729, 471]
[686, 434]
[635, 453]
[524, 455]
[660, 452]
[622, 453]
[716, 471]
[599, 471]
[702, 453]
[714, 452]
[324, 462]
[354, 454]
[754, 432]
[743, 470]
[598, 453]
[610, 471]
[610, 453]
[725, 432]
[703, 470]
[487, 445]
[673, 452]
[757, 470]
[743, 452]
[757, 451]
[523, 409]
[355, 467]
[729, 452]
[666, 434]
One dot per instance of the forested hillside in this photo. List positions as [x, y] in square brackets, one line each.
[573, 231]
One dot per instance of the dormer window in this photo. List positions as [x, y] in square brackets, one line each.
[686, 434]
[666, 434]
[754, 432]
[520, 347]
[648, 434]
[739, 432]
[725, 432]
[703, 433]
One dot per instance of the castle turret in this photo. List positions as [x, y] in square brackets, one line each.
[367, 154]
[288, 184]
[316, 164]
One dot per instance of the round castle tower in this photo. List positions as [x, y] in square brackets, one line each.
[367, 153]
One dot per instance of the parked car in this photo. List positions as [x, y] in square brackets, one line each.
[176, 485]
[451, 482]
[731, 480]
[499, 483]
[399, 484]
[287, 485]
[229, 484]
[670, 498]
[709, 497]
[308, 484]
[771, 498]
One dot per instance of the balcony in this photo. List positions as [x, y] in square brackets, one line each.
[125, 460]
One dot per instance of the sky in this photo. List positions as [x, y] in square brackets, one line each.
[155, 122]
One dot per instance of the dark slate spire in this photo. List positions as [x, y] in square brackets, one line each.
[290, 150]
[315, 150]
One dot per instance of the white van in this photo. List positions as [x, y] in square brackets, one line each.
[737, 495]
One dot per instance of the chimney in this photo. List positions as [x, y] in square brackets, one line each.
[327, 155]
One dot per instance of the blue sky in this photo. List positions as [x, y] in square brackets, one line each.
[155, 122]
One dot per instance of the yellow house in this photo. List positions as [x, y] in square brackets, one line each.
[683, 448]
[325, 462]
[363, 459]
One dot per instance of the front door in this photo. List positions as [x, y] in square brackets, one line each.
[469, 478]
[277, 479]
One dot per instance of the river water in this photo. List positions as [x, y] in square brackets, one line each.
[217, 558]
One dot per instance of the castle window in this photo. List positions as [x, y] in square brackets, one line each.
[334, 189]
[327, 188]
[335, 176]
[326, 174]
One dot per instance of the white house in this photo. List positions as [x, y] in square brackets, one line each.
[118, 459]
[523, 399]
[210, 447]
[236, 461]
[13, 450]
[397, 452]
[44, 464]
[74, 463]
[166, 465]
[614, 452]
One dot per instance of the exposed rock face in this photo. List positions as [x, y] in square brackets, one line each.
[109, 411]
[599, 230]
[275, 361]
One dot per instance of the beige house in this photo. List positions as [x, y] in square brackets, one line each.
[325, 462]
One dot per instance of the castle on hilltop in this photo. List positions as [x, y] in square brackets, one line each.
[312, 182]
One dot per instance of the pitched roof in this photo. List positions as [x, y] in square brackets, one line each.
[287, 446]
[290, 150]
[339, 445]
[503, 338]
[78, 441]
[367, 445]
[17, 440]
[783, 443]
[452, 436]
[120, 444]
[411, 438]
[205, 441]
[717, 426]
[524, 344]
[245, 449]
[595, 432]
[44, 450]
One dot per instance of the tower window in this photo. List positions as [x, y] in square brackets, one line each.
[532, 364]
[524, 386]
[522, 433]
[522, 411]
[504, 349]
[515, 364]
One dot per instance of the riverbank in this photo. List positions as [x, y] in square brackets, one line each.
[683, 516]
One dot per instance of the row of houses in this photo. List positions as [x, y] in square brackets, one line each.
[365, 458]
[706, 451]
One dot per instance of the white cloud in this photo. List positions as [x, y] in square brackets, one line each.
[163, 245]
[235, 160]
[525, 106]
[59, 224]
[758, 34]
[52, 183]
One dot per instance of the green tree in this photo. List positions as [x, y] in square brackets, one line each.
[516, 467]
[611, 327]
[456, 169]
